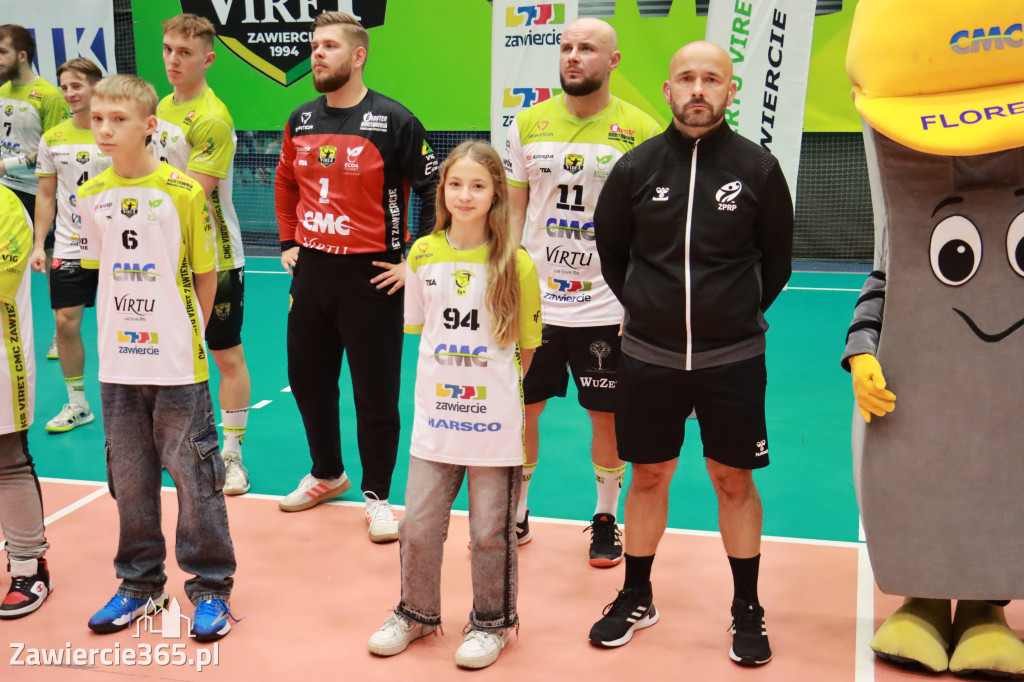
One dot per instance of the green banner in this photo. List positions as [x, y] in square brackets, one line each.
[433, 56]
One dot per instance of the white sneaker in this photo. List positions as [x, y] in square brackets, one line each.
[312, 491]
[236, 478]
[52, 354]
[381, 519]
[70, 416]
[480, 648]
[396, 634]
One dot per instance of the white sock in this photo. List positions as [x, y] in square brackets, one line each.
[76, 391]
[234, 428]
[609, 484]
[528, 470]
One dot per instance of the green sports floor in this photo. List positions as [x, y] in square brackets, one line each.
[807, 491]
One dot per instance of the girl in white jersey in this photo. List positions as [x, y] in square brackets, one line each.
[474, 298]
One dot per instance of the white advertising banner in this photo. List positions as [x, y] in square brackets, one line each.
[524, 58]
[76, 28]
[770, 45]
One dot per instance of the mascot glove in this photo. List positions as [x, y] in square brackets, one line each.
[869, 387]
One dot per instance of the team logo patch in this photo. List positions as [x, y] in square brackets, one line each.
[129, 207]
[327, 155]
[462, 278]
[274, 38]
[222, 310]
[573, 163]
[82, 157]
[9, 110]
[726, 195]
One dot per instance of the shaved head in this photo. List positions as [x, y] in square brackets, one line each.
[699, 87]
[588, 53]
[600, 30]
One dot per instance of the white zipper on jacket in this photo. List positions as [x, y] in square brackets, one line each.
[686, 258]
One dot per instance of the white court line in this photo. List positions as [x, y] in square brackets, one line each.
[262, 403]
[864, 657]
[96, 494]
[266, 272]
[818, 289]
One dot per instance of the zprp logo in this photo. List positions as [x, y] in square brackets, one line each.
[527, 97]
[535, 15]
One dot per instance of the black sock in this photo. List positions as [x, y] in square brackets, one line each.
[744, 578]
[638, 571]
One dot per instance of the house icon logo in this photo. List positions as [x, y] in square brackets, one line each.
[172, 624]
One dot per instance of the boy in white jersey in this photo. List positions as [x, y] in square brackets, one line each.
[68, 157]
[21, 506]
[557, 156]
[195, 134]
[146, 228]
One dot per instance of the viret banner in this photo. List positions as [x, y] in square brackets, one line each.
[524, 58]
[770, 45]
[84, 28]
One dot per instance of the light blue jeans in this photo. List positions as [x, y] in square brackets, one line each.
[493, 496]
[149, 428]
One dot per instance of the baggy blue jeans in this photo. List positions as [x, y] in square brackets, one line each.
[150, 428]
[494, 558]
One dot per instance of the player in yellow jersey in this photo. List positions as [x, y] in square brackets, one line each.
[195, 134]
[146, 229]
[21, 506]
[67, 158]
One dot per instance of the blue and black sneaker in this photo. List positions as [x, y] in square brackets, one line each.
[212, 620]
[120, 611]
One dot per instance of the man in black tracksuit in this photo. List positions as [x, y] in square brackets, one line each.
[694, 230]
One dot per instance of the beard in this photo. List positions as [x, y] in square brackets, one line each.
[10, 73]
[332, 81]
[581, 88]
[704, 119]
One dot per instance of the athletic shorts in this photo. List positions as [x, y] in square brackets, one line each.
[29, 201]
[72, 285]
[225, 328]
[592, 353]
[652, 403]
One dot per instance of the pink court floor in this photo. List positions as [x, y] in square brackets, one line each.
[311, 588]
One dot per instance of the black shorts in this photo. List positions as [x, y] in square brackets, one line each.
[592, 353]
[652, 403]
[72, 285]
[225, 328]
[28, 200]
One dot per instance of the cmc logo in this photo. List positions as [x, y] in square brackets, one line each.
[570, 229]
[968, 41]
[326, 224]
[446, 354]
[535, 15]
[556, 284]
[527, 97]
[461, 392]
[133, 272]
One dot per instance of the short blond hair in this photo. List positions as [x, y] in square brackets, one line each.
[123, 86]
[192, 26]
[354, 31]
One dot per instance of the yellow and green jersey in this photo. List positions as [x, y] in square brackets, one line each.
[17, 352]
[564, 160]
[199, 135]
[70, 154]
[146, 236]
[469, 402]
[26, 112]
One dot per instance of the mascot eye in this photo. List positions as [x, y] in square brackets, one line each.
[1015, 244]
[955, 250]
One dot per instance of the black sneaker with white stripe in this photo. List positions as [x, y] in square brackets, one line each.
[749, 635]
[632, 610]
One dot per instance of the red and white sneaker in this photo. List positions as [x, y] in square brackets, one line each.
[30, 586]
[312, 491]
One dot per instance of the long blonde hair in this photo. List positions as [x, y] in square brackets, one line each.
[503, 288]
